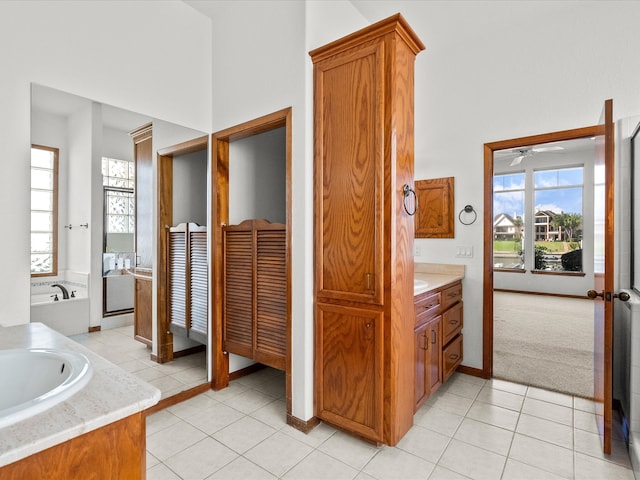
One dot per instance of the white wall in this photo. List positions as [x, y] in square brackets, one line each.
[257, 178]
[190, 188]
[109, 51]
[492, 72]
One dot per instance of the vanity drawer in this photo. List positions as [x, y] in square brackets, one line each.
[451, 357]
[451, 323]
[426, 307]
[451, 295]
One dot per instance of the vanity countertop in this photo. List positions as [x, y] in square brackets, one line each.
[111, 395]
[435, 275]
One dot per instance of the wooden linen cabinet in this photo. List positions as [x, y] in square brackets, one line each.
[363, 151]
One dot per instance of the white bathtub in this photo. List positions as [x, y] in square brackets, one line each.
[69, 317]
[34, 380]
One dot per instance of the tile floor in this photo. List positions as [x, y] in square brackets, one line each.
[470, 428]
[118, 346]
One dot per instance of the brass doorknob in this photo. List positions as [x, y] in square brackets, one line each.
[622, 296]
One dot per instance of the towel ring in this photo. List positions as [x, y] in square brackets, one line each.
[406, 190]
[467, 209]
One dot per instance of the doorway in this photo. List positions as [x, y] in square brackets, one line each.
[182, 194]
[522, 274]
[543, 231]
[221, 195]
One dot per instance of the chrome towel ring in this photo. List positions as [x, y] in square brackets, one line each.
[406, 191]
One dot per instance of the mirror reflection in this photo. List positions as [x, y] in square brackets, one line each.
[91, 216]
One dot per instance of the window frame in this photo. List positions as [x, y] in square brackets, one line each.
[54, 226]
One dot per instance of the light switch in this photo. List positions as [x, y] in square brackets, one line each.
[463, 251]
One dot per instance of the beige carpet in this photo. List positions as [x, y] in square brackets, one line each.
[544, 341]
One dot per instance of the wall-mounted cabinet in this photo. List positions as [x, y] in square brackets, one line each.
[434, 215]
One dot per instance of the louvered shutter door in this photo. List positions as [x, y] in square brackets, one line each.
[198, 282]
[177, 288]
[271, 296]
[238, 290]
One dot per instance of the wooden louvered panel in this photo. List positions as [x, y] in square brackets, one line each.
[198, 281]
[271, 298]
[177, 288]
[238, 291]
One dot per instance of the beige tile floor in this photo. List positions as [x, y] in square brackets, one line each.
[118, 346]
[470, 428]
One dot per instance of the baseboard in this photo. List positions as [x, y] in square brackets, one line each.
[177, 398]
[189, 351]
[475, 372]
[539, 293]
[305, 426]
[245, 371]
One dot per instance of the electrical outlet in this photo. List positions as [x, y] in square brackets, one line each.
[418, 250]
[463, 251]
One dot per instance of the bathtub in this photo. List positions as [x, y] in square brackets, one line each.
[34, 380]
[69, 317]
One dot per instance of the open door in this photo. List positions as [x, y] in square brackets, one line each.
[602, 292]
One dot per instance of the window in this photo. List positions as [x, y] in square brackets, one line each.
[549, 204]
[119, 180]
[558, 217]
[508, 223]
[44, 211]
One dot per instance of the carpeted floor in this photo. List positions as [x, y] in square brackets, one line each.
[544, 341]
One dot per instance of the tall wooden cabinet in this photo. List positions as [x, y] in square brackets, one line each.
[143, 156]
[363, 149]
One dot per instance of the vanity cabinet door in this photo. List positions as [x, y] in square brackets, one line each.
[435, 357]
[428, 360]
[142, 328]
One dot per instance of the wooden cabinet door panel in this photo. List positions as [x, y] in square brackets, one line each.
[142, 310]
[349, 195]
[421, 350]
[434, 216]
[349, 345]
[435, 357]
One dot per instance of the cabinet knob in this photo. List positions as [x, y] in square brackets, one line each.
[454, 356]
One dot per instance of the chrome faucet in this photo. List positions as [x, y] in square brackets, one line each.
[65, 293]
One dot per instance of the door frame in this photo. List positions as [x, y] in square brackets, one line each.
[489, 148]
[220, 217]
[165, 218]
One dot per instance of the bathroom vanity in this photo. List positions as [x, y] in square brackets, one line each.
[99, 432]
[438, 326]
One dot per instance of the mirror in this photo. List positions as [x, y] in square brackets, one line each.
[96, 234]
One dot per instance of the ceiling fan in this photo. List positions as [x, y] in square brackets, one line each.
[523, 152]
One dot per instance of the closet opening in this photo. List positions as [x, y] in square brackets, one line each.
[182, 291]
[251, 250]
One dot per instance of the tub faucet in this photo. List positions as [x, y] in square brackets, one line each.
[65, 293]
